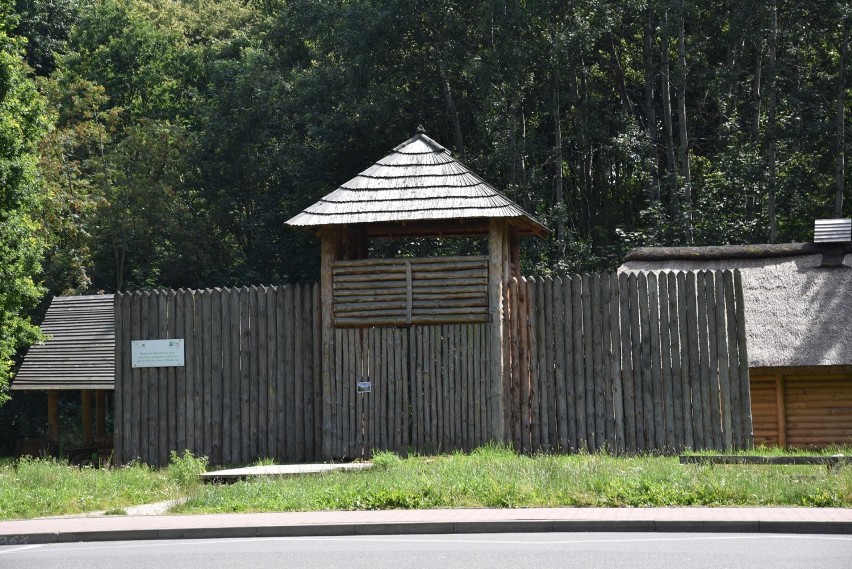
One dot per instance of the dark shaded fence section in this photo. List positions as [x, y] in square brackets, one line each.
[618, 362]
[250, 385]
[628, 363]
[428, 389]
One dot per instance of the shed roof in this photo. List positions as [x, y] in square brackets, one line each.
[80, 350]
[796, 307]
[419, 181]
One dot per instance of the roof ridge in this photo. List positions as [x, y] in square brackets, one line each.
[425, 139]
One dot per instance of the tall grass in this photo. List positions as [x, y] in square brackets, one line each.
[46, 487]
[488, 477]
[496, 477]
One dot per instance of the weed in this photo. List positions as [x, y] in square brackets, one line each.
[184, 470]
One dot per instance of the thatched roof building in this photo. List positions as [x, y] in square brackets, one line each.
[798, 305]
[419, 181]
[798, 297]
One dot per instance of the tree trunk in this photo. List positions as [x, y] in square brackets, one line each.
[770, 117]
[666, 95]
[650, 113]
[451, 110]
[758, 70]
[681, 119]
[841, 112]
[558, 196]
[618, 72]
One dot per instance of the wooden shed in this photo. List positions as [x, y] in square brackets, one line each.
[419, 190]
[798, 304]
[78, 355]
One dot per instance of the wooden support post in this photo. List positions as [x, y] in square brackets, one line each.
[496, 272]
[100, 416]
[328, 251]
[53, 416]
[86, 413]
[781, 410]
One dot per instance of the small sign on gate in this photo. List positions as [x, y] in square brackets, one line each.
[157, 353]
[364, 387]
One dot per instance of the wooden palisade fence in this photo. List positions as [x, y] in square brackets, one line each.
[628, 363]
[249, 387]
[625, 363]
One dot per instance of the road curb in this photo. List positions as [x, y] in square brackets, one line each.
[413, 528]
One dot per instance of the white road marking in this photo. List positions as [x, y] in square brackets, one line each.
[19, 549]
[568, 541]
[183, 542]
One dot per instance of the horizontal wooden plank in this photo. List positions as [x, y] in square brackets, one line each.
[455, 288]
[446, 310]
[461, 282]
[449, 267]
[449, 319]
[356, 294]
[394, 312]
[778, 460]
[366, 284]
[345, 307]
[452, 295]
[450, 302]
[370, 278]
[449, 276]
[364, 321]
[412, 260]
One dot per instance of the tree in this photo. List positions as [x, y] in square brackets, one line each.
[21, 125]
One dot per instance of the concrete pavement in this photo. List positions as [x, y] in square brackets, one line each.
[387, 522]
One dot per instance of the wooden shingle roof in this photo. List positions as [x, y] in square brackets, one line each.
[419, 181]
[80, 350]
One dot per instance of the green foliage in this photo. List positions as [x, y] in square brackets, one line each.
[43, 487]
[185, 469]
[386, 460]
[188, 132]
[21, 126]
[172, 139]
[495, 476]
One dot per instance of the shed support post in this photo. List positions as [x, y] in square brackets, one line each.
[86, 414]
[53, 416]
[100, 416]
[497, 272]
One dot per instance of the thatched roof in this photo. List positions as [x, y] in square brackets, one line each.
[797, 310]
[718, 252]
[80, 350]
[419, 181]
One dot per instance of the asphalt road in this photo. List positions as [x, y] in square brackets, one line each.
[486, 551]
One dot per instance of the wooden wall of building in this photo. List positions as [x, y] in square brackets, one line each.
[802, 407]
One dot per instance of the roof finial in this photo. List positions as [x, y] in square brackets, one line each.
[420, 129]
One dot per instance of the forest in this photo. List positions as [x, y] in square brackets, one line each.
[164, 143]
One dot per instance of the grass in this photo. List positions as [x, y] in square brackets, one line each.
[491, 476]
[32, 488]
[497, 478]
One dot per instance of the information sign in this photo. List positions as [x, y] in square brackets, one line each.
[157, 353]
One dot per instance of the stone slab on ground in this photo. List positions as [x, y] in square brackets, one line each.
[281, 470]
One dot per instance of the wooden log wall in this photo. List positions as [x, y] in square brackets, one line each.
[250, 385]
[624, 363]
[399, 292]
[628, 363]
[428, 389]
